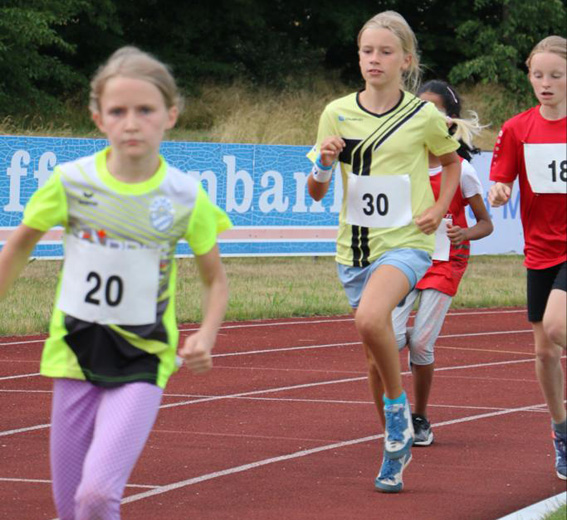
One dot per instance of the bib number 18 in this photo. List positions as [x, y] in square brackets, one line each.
[562, 171]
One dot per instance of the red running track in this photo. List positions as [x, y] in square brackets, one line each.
[284, 427]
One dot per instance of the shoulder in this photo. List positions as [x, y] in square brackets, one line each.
[348, 101]
[83, 163]
[521, 119]
[182, 185]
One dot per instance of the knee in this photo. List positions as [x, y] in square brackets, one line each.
[421, 353]
[369, 326]
[555, 330]
[96, 501]
[548, 354]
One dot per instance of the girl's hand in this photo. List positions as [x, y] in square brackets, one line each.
[499, 194]
[457, 235]
[196, 352]
[330, 149]
[429, 220]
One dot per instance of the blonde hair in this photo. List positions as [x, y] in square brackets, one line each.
[467, 129]
[397, 24]
[554, 44]
[131, 62]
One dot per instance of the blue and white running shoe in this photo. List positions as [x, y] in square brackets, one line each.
[399, 434]
[389, 480]
[560, 443]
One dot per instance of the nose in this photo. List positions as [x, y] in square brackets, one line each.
[131, 120]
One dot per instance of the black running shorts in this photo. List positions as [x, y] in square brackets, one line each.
[540, 283]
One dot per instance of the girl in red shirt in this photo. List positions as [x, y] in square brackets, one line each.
[532, 148]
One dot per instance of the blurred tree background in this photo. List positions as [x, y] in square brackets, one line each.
[49, 49]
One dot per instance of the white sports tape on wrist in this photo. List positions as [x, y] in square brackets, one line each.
[321, 175]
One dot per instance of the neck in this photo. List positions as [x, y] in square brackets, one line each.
[131, 170]
[555, 112]
[379, 101]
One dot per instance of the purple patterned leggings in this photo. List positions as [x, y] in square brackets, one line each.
[97, 435]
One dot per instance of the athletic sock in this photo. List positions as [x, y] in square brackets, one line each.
[398, 400]
[561, 427]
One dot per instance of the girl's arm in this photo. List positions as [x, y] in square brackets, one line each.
[481, 229]
[430, 219]
[14, 255]
[196, 349]
[500, 193]
[330, 149]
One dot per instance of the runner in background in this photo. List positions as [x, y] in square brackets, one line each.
[113, 336]
[380, 137]
[440, 283]
[532, 147]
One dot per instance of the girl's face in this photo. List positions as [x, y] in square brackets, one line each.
[436, 99]
[381, 58]
[548, 78]
[133, 116]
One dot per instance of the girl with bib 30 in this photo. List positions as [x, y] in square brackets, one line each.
[380, 139]
[113, 336]
[532, 147]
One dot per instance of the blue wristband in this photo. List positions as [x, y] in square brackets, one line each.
[320, 164]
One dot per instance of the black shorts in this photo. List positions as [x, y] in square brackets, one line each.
[540, 283]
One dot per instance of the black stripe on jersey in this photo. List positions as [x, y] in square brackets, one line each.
[364, 247]
[362, 156]
[393, 128]
[356, 252]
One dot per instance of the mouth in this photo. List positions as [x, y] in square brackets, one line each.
[375, 72]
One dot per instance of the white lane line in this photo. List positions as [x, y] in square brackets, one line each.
[283, 389]
[298, 322]
[42, 481]
[539, 510]
[299, 454]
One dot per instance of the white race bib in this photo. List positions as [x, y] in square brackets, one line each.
[108, 285]
[379, 201]
[546, 166]
[442, 242]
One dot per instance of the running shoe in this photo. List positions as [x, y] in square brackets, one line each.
[560, 443]
[398, 436]
[389, 480]
[423, 434]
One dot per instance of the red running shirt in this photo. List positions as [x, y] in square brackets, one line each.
[535, 150]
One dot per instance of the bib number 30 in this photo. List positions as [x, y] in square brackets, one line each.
[378, 204]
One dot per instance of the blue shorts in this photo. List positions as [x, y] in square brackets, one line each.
[412, 262]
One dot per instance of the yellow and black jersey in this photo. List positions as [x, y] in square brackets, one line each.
[384, 169]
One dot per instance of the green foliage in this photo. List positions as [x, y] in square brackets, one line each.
[496, 41]
[49, 50]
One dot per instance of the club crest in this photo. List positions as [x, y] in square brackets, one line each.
[161, 213]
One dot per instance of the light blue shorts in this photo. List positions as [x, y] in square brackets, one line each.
[412, 262]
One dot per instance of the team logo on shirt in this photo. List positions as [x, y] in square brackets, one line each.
[161, 213]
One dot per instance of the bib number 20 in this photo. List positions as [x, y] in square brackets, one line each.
[113, 289]
[562, 174]
[378, 204]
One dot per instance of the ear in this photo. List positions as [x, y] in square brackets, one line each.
[172, 115]
[97, 118]
[408, 58]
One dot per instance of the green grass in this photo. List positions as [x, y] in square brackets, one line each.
[560, 514]
[263, 288]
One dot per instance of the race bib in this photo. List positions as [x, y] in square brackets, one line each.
[107, 285]
[379, 202]
[442, 242]
[546, 166]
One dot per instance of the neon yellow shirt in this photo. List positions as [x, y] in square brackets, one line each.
[95, 207]
[395, 143]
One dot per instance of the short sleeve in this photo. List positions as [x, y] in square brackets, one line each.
[206, 222]
[47, 207]
[437, 138]
[504, 166]
[470, 183]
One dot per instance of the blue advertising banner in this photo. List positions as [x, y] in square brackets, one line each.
[263, 188]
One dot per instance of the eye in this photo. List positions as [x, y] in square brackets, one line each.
[145, 110]
[116, 111]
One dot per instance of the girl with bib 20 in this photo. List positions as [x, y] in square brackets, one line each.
[380, 138]
[113, 336]
[532, 148]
